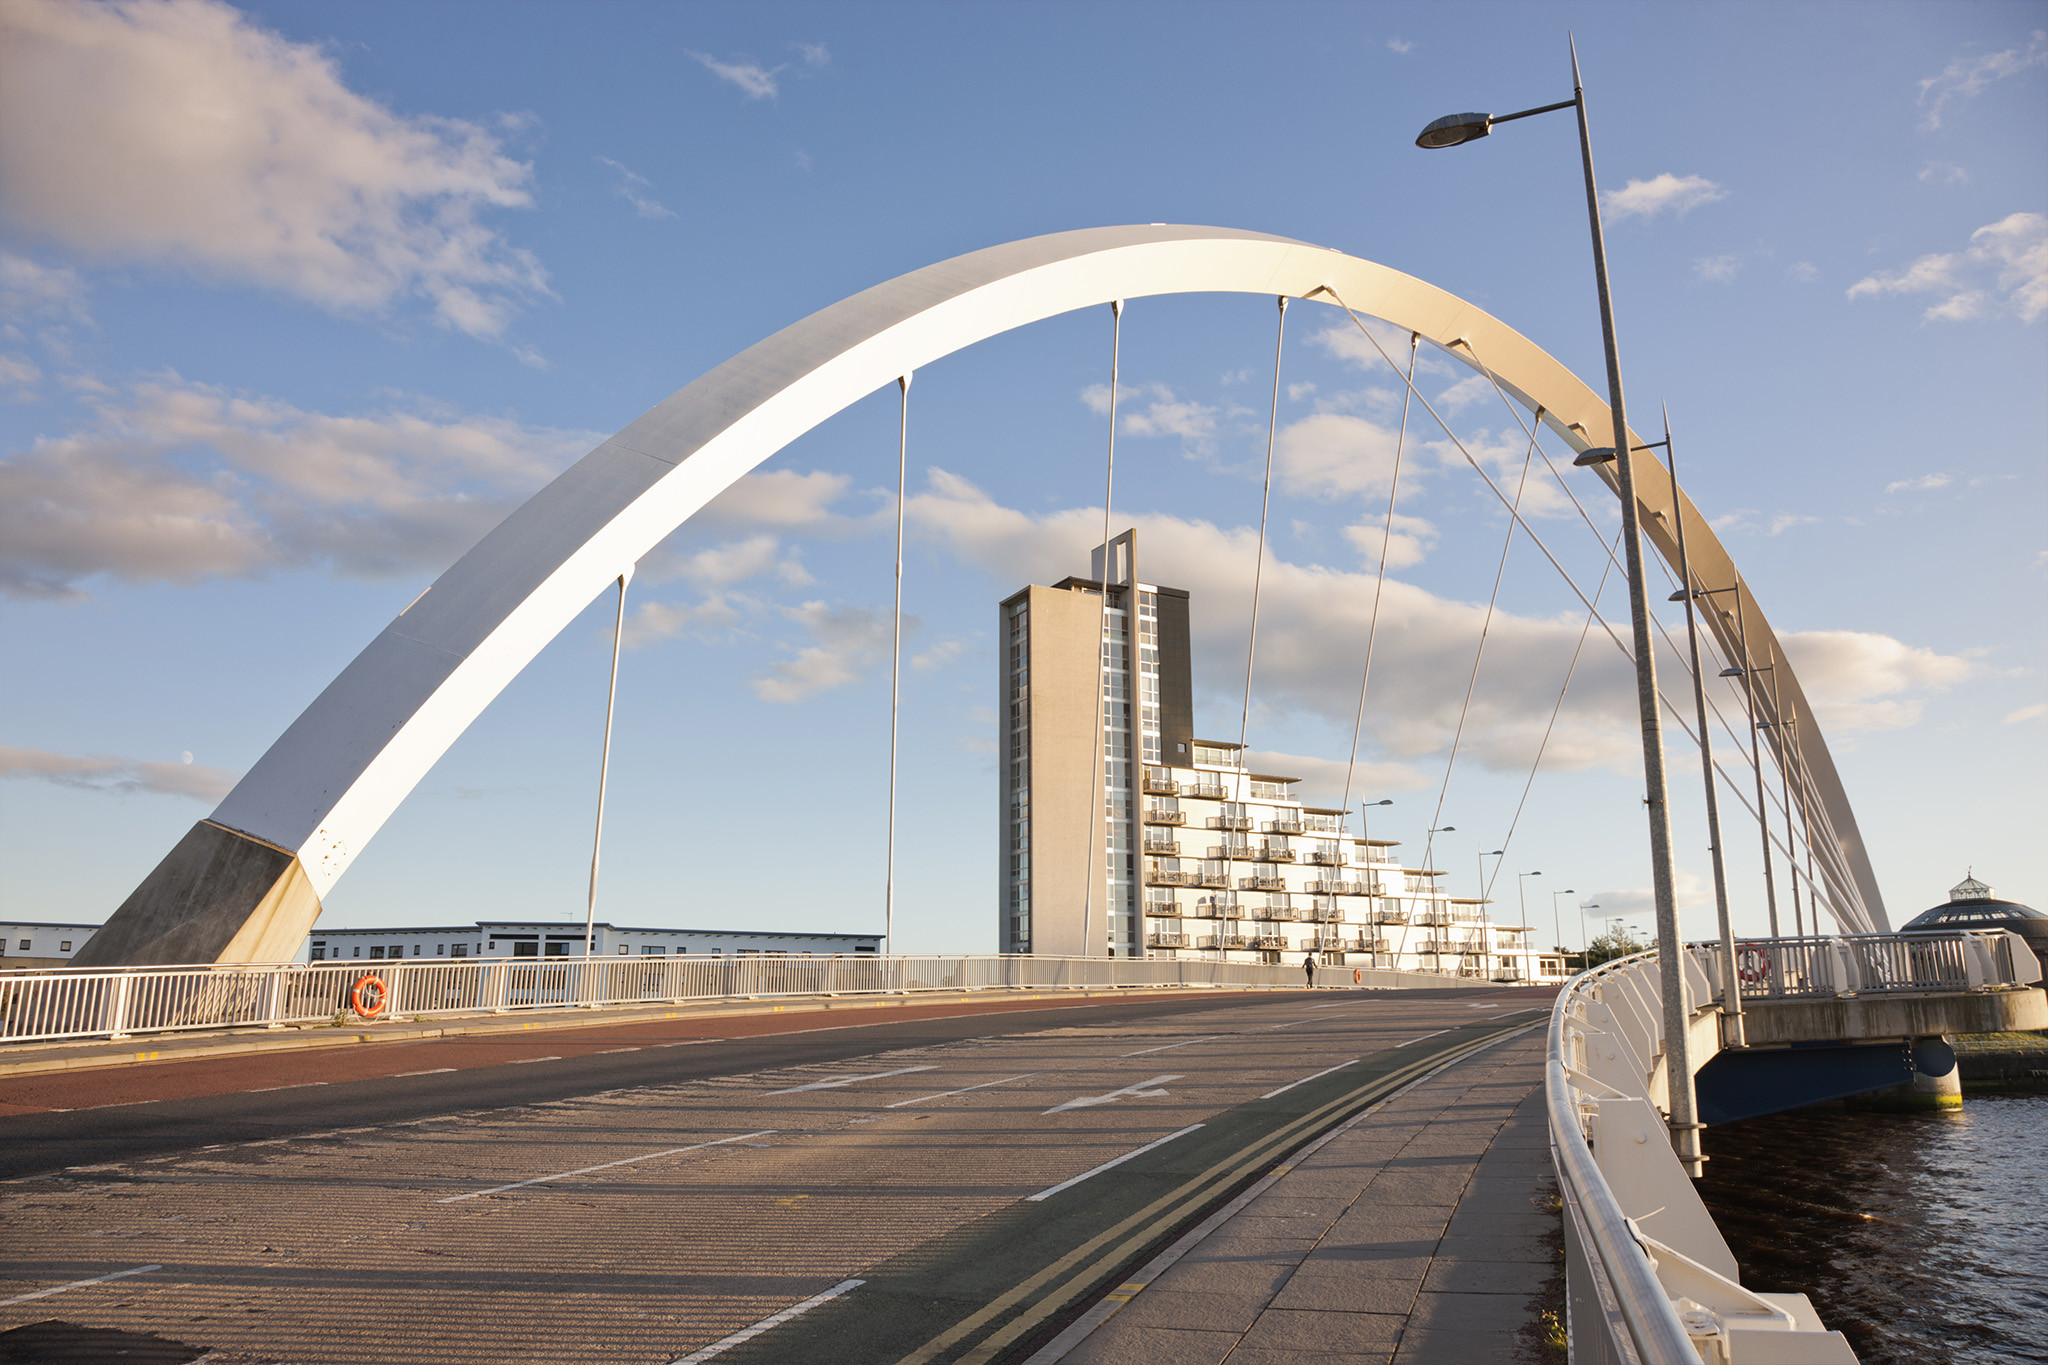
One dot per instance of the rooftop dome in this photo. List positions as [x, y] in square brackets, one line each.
[1972, 905]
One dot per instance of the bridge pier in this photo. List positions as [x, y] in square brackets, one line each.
[1937, 1083]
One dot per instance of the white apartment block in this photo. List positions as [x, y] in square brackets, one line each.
[557, 938]
[1185, 850]
[34, 943]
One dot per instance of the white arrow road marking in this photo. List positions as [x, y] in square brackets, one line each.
[1142, 1090]
[849, 1080]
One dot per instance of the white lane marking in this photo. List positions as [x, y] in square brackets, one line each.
[522, 1061]
[437, 1071]
[1113, 1161]
[1419, 1039]
[80, 1284]
[1187, 1043]
[1292, 1022]
[1338, 1006]
[964, 1089]
[1141, 1089]
[1482, 1007]
[266, 1089]
[1306, 1079]
[849, 1080]
[610, 1050]
[625, 1161]
[773, 1320]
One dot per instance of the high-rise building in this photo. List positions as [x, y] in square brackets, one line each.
[1123, 833]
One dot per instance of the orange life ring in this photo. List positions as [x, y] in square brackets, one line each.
[370, 996]
[1357, 976]
[1752, 963]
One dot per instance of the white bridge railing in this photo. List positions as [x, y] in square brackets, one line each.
[1648, 1276]
[52, 1005]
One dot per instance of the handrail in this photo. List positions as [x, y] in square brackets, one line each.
[1652, 1322]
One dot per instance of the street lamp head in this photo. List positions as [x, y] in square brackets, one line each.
[1444, 829]
[1453, 129]
[1379, 803]
[1594, 455]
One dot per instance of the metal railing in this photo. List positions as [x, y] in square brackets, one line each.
[1649, 1286]
[117, 1002]
[1155, 815]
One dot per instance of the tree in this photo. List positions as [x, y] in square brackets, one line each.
[1618, 941]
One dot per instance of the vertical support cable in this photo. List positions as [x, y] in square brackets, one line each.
[896, 667]
[1380, 582]
[604, 766]
[1259, 562]
[1099, 794]
[1731, 988]
[1785, 738]
[1756, 761]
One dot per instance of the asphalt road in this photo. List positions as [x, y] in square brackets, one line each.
[933, 1188]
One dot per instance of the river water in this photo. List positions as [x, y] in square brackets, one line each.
[1921, 1237]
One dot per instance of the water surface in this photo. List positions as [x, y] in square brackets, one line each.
[1921, 1237]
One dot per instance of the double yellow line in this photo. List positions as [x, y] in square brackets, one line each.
[1082, 1267]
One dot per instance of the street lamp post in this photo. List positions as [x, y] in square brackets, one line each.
[1684, 1121]
[1522, 898]
[1556, 920]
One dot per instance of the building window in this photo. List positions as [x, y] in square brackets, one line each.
[558, 950]
[526, 950]
[65, 946]
[358, 952]
[649, 950]
[319, 953]
[461, 950]
[377, 951]
[623, 950]
[24, 945]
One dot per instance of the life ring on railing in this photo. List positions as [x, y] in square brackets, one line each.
[370, 996]
[1357, 976]
[1752, 964]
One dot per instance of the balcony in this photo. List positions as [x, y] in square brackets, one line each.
[1154, 815]
[1166, 940]
[1336, 888]
[1267, 941]
[1160, 877]
[1327, 914]
[1163, 909]
[1214, 881]
[1374, 945]
[1232, 851]
[1284, 827]
[1226, 941]
[1262, 883]
[1330, 941]
[1202, 910]
[1390, 917]
[1276, 853]
[1242, 823]
[1159, 782]
[1285, 913]
[1323, 859]
[1208, 791]
[1168, 847]
[1434, 917]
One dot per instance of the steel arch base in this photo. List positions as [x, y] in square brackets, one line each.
[246, 884]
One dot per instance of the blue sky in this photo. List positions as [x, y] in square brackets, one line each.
[300, 299]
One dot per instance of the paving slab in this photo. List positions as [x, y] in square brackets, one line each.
[1416, 1235]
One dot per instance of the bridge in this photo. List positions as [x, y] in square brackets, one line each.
[990, 1254]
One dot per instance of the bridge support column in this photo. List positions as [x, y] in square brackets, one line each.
[1937, 1082]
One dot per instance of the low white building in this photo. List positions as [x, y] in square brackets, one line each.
[558, 938]
[35, 943]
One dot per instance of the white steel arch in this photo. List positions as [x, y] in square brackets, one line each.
[246, 884]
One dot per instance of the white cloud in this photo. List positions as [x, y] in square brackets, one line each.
[1312, 628]
[1400, 45]
[181, 133]
[1943, 173]
[28, 288]
[18, 371]
[938, 656]
[1968, 77]
[1786, 521]
[1334, 455]
[1925, 483]
[1412, 540]
[2027, 713]
[1155, 410]
[652, 621]
[126, 776]
[1858, 681]
[2009, 256]
[815, 55]
[779, 499]
[633, 188]
[848, 639]
[1805, 272]
[1679, 194]
[755, 81]
[1472, 389]
[1718, 269]
[174, 482]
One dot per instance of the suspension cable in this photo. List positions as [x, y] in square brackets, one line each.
[1472, 682]
[896, 663]
[1380, 581]
[1507, 842]
[1259, 563]
[1099, 797]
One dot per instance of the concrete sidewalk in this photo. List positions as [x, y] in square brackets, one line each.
[1421, 1233]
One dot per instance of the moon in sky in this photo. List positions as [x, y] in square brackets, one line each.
[185, 757]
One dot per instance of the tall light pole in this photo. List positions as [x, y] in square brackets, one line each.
[1451, 131]
[1522, 898]
[1556, 921]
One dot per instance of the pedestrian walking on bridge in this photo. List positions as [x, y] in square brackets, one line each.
[1308, 969]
